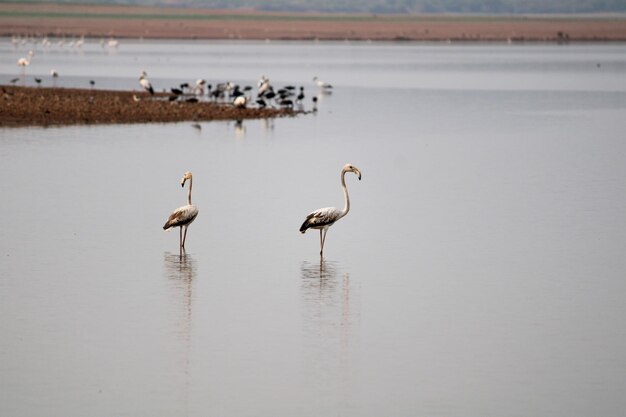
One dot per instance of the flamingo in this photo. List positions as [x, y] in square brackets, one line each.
[145, 84]
[183, 216]
[23, 62]
[323, 218]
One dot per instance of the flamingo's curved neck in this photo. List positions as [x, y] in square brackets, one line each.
[346, 206]
[189, 193]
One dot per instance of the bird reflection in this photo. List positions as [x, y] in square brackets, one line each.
[319, 281]
[327, 297]
[180, 271]
[267, 125]
[240, 129]
[329, 319]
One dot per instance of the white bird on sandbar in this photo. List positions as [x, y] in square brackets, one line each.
[183, 216]
[145, 84]
[199, 89]
[240, 102]
[263, 84]
[323, 218]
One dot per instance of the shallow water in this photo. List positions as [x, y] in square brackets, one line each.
[479, 271]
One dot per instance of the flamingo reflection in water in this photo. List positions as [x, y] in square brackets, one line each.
[180, 273]
[331, 311]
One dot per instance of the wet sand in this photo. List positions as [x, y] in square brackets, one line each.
[151, 22]
[39, 106]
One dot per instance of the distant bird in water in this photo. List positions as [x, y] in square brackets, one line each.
[38, 81]
[301, 95]
[54, 74]
[183, 216]
[92, 83]
[323, 218]
[321, 84]
[145, 84]
[314, 99]
[24, 62]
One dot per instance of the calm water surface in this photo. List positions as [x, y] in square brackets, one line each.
[480, 271]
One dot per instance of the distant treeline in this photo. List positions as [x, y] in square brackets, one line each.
[387, 6]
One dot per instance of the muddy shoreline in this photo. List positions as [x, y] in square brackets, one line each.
[40, 106]
[154, 23]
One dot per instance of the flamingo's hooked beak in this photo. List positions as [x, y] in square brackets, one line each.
[358, 174]
[182, 183]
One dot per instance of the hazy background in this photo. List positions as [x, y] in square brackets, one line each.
[388, 6]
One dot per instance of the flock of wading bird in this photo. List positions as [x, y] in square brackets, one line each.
[320, 219]
[288, 96]
[241, 97]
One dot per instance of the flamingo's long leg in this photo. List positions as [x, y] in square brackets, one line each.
[323, 239]
[180, 241]
[321, 243]
[185, 236]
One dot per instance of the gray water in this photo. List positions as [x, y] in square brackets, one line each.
[480, 271]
